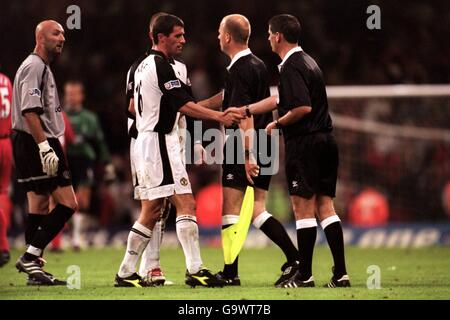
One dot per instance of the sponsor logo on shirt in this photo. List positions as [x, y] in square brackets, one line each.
[35, 92]
[169, 85]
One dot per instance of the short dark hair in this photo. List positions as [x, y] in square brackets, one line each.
[286, 24]
[153, 19]
[238, 31]
[164, 24]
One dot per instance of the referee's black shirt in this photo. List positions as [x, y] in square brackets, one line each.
[247, 82]
[301, 84]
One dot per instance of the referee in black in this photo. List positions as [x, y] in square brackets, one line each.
[311, 150]
[247, 81]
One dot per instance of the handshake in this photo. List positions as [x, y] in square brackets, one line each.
[49, 159]
[233, 116]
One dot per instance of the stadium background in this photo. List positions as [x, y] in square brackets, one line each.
[405, 179]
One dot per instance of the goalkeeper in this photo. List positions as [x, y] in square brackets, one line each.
[41, 167]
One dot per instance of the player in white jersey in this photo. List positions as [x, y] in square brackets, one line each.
[159, 98]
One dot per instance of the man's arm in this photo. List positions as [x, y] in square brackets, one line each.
[197, 111]
[49, 159]
[289, 118]
[248, 131]
[214, 102]
[266, 105]
[34, 124]
[294, 115]
[131, 107]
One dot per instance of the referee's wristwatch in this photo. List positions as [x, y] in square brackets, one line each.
[247, 111]
[249, 152]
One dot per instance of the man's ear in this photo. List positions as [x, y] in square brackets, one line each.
[227, 37]
[160, 36]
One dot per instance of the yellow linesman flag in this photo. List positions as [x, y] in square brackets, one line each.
[233, 237]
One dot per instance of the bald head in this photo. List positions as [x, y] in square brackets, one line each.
[49, 38]
[238, 27]
[46, 27]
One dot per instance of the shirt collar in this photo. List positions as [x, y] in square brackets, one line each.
[288, 54]
[239, 55]
[162, 55]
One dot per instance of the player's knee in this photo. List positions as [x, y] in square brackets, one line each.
[149, 215]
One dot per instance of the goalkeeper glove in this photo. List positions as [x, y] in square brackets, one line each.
[49, 159]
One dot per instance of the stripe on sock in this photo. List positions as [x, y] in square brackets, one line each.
[306, 223]
[259, 220]
[326, 222]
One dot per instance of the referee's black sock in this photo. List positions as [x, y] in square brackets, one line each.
[230, 271]
[32, 225]
[51, 226]
[275, 231]
[335, 239]
[306, 239]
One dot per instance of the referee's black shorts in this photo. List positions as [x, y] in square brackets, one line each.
[233, 173]
[311, 165]
[29, 168]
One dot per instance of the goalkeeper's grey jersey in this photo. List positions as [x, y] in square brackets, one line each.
[35, 91]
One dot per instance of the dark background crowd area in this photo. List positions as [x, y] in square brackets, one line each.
[412, 47]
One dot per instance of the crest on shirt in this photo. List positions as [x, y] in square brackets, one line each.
[184, 182]
[169, 85]
[35, 92]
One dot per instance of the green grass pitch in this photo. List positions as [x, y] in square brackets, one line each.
[404, 274]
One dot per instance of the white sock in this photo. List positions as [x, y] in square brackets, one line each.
[332, 219]
[187, 232]
[138, 239]
[259, 220]
[150, 256]
[229, 219]
[78, 228]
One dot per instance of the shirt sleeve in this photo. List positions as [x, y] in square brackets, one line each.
[129, 91]
[295, 89]
[31, 88]
[173, 89]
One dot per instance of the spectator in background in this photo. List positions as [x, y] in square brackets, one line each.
[87, 149]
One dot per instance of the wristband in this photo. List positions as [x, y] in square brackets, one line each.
[44, 146]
